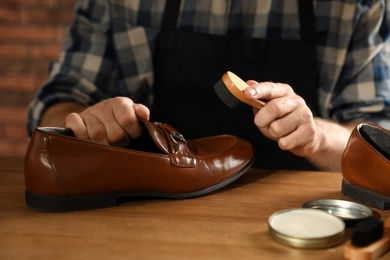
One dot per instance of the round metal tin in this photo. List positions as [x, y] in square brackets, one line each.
[350, 212]
[306, 228]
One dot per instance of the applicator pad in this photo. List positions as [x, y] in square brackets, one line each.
[231, 90]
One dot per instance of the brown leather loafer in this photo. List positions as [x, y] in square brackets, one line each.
[366, 166]
[63, 173]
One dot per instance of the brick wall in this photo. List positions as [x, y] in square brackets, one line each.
[31, 34]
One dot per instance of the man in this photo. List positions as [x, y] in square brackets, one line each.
[322, 66]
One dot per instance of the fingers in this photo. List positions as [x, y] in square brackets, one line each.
[284, 108]
[295, 131]
[110, 122]
[267, 90]
[252, 82]
[141, 111]
[75, 122]
[94, 125]
[127, 114]
[301, 141]
[285, 118]
[290, 109]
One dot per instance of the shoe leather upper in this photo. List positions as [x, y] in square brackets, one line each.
[365, 162]
[60, 164]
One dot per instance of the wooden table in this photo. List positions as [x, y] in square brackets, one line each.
[228, 224]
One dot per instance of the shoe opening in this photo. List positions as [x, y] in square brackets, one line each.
[377, 138]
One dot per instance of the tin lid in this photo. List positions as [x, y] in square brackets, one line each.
[306, 228]
[350, 212]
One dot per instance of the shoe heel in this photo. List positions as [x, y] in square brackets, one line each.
[364, 196]
[69, 203]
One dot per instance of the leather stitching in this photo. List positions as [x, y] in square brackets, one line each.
[50, 159]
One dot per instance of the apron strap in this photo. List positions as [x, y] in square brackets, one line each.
[171, 13]
[307, 21]
[306, 18]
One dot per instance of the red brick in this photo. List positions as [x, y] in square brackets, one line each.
[66, 17]
[13, 50]
[25, 67]
[40, 3]
[29, 82]
[51, 16]
[22, 52]
[13, 138]
[17, 83]
[15, 131]
[12, 15]
[13, 114]
[10, 97]
[47, 52]
[31, 33]
[38, 51]
[14, 148]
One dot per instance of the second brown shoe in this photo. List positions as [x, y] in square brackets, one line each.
[366, 166]
[63, 173]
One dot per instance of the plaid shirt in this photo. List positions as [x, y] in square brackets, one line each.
[109, 47]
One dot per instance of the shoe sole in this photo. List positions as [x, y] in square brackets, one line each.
[93, 201]
[365, 196]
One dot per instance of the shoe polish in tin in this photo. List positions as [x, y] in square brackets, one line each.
[306, 228]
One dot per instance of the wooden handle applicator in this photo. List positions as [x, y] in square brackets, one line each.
[370, 240]
[231, 90]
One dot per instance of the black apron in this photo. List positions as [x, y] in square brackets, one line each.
[188, 64]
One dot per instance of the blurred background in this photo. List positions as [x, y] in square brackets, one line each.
[31, 35]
